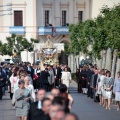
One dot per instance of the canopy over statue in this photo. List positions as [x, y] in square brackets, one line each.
[48, 52]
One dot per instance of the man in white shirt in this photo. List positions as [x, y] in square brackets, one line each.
[36, 107]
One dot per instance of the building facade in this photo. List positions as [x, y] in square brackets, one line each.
[38, 18]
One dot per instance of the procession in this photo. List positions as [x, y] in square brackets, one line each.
[59, 59]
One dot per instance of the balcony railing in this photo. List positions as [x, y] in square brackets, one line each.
[44, 30]
[62, 30]
[17, 30]
[53, 30]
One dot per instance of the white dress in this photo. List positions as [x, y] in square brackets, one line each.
[100, 85]
[31, 89]
[66, 77]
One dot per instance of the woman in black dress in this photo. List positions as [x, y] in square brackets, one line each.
[68, 100]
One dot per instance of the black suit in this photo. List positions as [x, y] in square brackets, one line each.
[80, 79]
[31, 71]
[89, 75]
[94, 86]
[44, 79]
[37, 114]
[2, 82]
[57, 73]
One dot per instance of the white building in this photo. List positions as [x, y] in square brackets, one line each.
[39, 18]
[30, 18]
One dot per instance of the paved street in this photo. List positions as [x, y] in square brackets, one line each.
[84, 107]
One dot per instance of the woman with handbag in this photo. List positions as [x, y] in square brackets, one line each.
[23, 98]
[116, 90]
[108, 85]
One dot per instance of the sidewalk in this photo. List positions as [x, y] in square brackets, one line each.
[6, 110]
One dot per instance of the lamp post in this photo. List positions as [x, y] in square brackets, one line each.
[8, 10]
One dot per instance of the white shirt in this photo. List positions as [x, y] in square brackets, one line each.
[39, 105]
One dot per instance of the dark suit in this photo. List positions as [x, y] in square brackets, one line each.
[44, 79]
[37, 114]
[80, 79]
[57, 73]
[89, 74]
[31, 71]
[2, 82]
[94, 86]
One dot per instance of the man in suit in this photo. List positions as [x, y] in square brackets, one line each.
[94, 85]
[57, 73]
[91, 85]
[30, 69]
[40, 114]
[2, 82]
[35, 108]
[44, 78]
[80, 80]
[51, 78]
[89, 74]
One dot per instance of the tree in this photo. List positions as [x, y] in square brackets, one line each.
[103, 33]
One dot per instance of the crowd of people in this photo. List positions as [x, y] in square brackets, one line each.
[38, 94]
[99, 85]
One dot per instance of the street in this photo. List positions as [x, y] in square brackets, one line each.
[84, 107]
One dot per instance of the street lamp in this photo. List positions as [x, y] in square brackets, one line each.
[6, 14]
[9, 4]
[9, 9]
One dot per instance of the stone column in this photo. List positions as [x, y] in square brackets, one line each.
[72, 63]
[108, 65]
[113, 64]
[35, 18]
[118, 65]
[103, 59]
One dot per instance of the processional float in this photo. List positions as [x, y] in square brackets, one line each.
[48, 53]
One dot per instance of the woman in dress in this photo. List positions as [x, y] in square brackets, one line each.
[67, 97]
[100, 84]
[14, 80]
[108, 85]
[66, 77]
[23, 97]
[30, 87]
[116, 90]
[17, 87]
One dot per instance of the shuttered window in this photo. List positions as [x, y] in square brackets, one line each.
[46, 17]
[64, 17]
[18, 18]
[80, 15]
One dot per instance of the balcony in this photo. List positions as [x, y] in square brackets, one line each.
[44, 30]
[17, 30]
[62, 30]
[53, 30]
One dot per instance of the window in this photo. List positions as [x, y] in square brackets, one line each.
[46, 17]
[80, 15]
[64, 13]
[18, 18]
